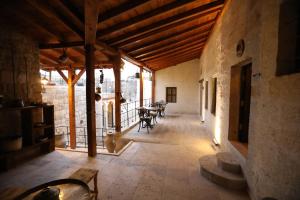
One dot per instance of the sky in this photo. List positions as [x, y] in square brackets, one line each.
[129, 70]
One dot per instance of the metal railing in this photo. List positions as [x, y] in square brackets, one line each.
[129, 116]
[129, 113]
[81, 136]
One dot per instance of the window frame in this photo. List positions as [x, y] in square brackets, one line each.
[172, 96]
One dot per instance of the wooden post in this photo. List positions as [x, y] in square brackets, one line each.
[72, 121]
[153, 86]
[90, 99]
[141, 87]
[117, 72]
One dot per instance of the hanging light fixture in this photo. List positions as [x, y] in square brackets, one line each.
[64, 57]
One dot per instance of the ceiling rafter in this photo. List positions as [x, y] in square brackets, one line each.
[174, 35]
[140, 18]
[48, 11]
[172, 44]
[176, 62]
[173, 48]
[176, 55]
[167, 23]
[120, 9]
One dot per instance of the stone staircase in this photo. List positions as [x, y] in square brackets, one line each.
[223, 169]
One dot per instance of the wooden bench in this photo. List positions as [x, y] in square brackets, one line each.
[86, 175]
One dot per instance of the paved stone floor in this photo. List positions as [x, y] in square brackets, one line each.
[161, 165]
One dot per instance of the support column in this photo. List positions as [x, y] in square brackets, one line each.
[117, 72]
[153, 87]
[90, 99]
[72, 120]
[141, 87]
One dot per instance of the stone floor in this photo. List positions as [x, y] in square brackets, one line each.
[160, 165]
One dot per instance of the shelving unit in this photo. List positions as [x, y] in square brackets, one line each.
[37, 131]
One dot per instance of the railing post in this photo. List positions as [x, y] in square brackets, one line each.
[127, 115]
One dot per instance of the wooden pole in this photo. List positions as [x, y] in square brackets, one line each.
[117, 72]
[141, 87]
[153, 86]
[90, 99]
[72, 121]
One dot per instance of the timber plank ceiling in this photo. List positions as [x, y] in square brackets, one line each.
[154, 33]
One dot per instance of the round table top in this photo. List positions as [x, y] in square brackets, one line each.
[68, 189]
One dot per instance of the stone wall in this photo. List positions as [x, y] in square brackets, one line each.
[19, 67]
[19, 76]
[58, 96]
[185, 77]
[272, 165]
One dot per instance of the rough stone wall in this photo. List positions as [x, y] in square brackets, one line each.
[272, 165]
[58, 96]
[20, 54]
[185, 77]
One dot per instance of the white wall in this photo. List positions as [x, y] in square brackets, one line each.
[185, 77]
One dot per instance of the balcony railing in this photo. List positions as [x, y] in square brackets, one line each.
[129, 116]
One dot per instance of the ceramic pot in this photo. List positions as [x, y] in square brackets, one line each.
[120, 142]
[60, 141]
[109, 143]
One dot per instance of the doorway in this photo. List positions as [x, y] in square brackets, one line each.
[201, 99]
[239, 106]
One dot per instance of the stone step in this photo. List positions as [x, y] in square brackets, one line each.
[228, 163]
[209, 169]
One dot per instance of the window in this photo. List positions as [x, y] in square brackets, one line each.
[206, 94]
[213, 96]
[171, 94]
[288, 55]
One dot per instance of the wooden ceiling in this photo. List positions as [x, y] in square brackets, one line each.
[153, 33]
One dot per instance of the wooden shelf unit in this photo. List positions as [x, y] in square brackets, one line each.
[37, 130]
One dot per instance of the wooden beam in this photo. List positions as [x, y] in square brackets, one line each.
[120, 9]
[153, 86]
[91, 19]
[72, 120]
[140, 18]
[76, 11]
[62, 75]
[67, 9]
[174, 50]
[166, 24]
[174, 45]
[45, 8]
[175, 56]
[61, 45]
[182, 60]
[141, 87]
[49, 59]
[117, 73]
[130, 59]
[90, 100]
[175, 35]
[78, 76]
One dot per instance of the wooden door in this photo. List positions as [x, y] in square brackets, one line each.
[239, 106]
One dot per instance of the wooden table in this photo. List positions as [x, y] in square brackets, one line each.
[86, 175]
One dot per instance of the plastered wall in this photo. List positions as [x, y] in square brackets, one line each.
[185, 77]
[272, 166]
